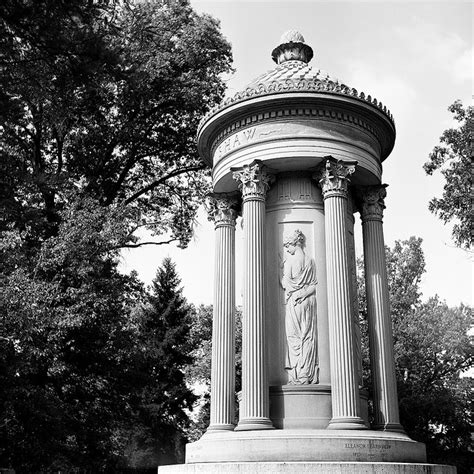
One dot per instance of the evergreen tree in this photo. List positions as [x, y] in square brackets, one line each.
[199, 372]
[99, 106]
[165, 326]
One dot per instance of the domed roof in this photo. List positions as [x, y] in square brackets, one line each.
[291, 70]
[294, 74]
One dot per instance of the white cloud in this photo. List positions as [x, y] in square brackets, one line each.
[463, 66]
[437, 48]
[397, 93]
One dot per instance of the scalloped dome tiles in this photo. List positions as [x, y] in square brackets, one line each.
[294, 74]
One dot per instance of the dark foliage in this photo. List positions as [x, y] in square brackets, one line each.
[99, 105]
[165, 347]
[432, 350]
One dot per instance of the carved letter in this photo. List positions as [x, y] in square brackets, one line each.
[249, 133]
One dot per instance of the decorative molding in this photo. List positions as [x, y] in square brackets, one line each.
[247, 125]
[293, 188]
[371, 202]
[253, 181]
[296, 85]
[222, 209]
[333, 177]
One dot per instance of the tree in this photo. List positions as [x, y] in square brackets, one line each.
[453, 158]
[99, 105]
[432, 348]
[165, 344]
[67, 350]
[198, 374]
[104, 98]
[405, 268]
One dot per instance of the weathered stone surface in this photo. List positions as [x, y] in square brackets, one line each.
[307, 468]
[305, 445]
[290, 131]
[254, 407]
[222, 210]
[346, 411]
[378, 310]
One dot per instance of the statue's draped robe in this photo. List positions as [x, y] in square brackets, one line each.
[301, 327]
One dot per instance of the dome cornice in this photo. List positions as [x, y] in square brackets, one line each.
[296, 85]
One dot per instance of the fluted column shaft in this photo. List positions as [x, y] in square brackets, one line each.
[344, 384]
[222, 210]
[254, 407]
[378, 308]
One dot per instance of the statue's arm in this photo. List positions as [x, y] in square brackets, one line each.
[305, 293]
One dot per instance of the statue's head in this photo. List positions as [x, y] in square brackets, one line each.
[294, 239]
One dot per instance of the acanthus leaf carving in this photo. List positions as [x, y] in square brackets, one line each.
[333, 176]
[253, 180]
[371, 201]
[222, 208]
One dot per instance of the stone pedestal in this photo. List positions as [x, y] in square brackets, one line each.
[307, 468]
[302, 445]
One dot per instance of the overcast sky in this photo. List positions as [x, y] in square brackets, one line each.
[416, 57]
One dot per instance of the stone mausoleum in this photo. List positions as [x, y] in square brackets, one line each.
[297, 154]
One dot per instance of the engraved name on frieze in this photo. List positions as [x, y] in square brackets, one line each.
[238, 139]
[236, 135]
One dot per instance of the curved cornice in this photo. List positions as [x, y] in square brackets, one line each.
[296, 85]
[284, 104]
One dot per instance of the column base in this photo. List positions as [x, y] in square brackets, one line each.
[347, 423]
[221, 427]
[249, 424]
[396, 427]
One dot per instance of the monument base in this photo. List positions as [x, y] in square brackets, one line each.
[305, 446]
[305, 406]
[307, 468]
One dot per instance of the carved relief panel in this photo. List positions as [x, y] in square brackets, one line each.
[298, 281]
[296, 290]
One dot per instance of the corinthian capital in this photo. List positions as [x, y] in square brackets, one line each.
[333, 177]
[371, 202]
[253, 181]
[222, 209]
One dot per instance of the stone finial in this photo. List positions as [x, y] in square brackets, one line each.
[292, 48]
[291, 36]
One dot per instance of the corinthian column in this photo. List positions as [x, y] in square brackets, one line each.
[254, 408]
[222, 210]
[334, 179]
[378, 309]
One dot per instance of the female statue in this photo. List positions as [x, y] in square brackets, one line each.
[299, 282]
